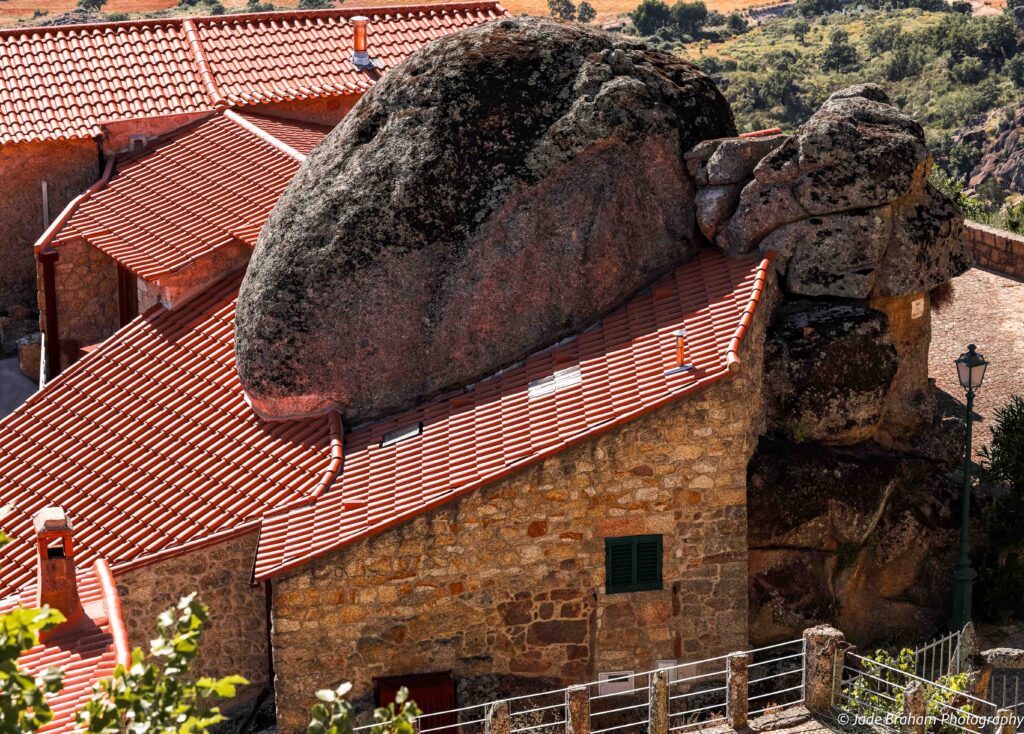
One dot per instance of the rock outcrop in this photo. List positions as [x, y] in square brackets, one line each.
[860, 537]
[828, 369]
[844, 203]
[504, 187]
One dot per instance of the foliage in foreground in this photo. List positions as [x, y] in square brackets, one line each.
[156, 694]
[1001, 563]
[880, 692]
[333, 714]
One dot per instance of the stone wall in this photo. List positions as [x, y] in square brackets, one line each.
[235, 640]
[995, 249]
[506, 584]
[87, 305]
[68, 167]
[320, 110]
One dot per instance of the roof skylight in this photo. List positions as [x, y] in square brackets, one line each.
[551, 384]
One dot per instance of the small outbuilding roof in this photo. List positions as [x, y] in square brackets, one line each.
[207, 185]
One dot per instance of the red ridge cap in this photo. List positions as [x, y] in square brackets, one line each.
[337, 453]
[263, 135]
[204, 67]
[112, 606]
[732, 357]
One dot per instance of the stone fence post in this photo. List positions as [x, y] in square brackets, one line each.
[737, 678]
[915, 707]
[824, 646]
[498, 719]
[658, 707]
[577, 710]
[1005, 722]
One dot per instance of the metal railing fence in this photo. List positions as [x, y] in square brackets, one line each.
[687, 697]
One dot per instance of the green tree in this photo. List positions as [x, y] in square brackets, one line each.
[156, 694]
[969, 71]
[689, 17]
[93, 6]
[585, 13]
[563, 9]
[907, 60]
[333, 714]
[737, 23]
[840, 54]
[1015, 70]
[649, 16]
[314, 4]
[800, 29]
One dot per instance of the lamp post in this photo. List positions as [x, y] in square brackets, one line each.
[970, 369]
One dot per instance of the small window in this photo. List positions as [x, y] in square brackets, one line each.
[401, 434]
[136, 143]
[632, 563]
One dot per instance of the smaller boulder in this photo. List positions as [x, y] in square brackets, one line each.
[828, 369]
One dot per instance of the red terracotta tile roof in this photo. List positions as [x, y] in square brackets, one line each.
[208, 185]
[149, 445]
[275, 57]
[87, 653]
[518, 417]
[62, 82]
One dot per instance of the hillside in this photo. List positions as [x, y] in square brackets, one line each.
[948, 70]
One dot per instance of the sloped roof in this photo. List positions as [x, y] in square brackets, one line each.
[207, 185]
[62, 82]
[276, 57]
[149, 445]
[606, 376]
[86, 653]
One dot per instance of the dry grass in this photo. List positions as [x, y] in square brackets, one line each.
[13, 12]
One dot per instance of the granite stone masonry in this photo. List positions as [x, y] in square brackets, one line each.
[995, 249]
[509, 579]
[235, 638]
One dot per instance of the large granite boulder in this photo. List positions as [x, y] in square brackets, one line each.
[858, 537]
[502, 188]
[844, 202]
[828, 369]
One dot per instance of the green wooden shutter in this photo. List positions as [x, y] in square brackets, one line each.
[633, 563]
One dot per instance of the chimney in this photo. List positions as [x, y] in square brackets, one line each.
[360, 57]
[56, 583]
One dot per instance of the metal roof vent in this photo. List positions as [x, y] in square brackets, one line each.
[554, 382]
[360, 56]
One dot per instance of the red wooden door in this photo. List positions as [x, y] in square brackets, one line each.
[432, 692]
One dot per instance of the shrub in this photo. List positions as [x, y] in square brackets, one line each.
[91, 5]
[585, 13]
[333, 714]
[649, 16]
[563, 9]
[969, 71]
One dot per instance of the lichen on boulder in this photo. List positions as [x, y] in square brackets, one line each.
[502, 188]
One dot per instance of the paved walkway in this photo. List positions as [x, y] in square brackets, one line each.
[14, 386]
[987, 309]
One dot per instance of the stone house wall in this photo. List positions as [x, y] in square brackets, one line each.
[235, 639]
[87, 305]
[995, 249]
[68, 167]
[507, 582]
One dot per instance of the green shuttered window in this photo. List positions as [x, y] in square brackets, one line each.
[632, 563]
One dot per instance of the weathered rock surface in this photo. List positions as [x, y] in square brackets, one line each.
[871, 555]
[828, 368]
[502, 188]
[844, 202]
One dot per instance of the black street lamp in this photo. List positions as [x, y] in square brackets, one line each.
[970, 369]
